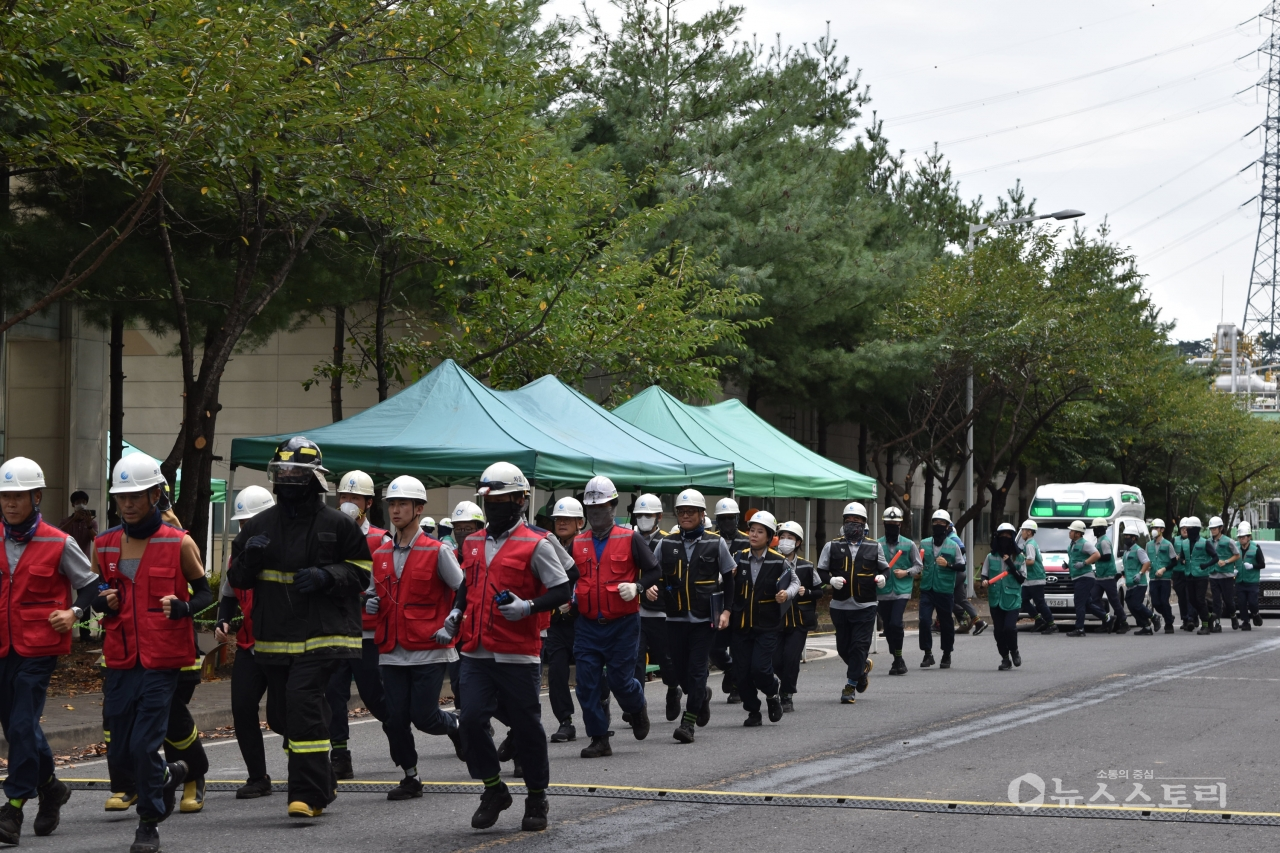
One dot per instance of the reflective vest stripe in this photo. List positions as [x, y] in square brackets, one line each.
[272, 576]
[186, 741]
[274, 647]
[308, 746]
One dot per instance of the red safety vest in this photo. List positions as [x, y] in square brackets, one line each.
[140, 632]
[375, 537]
[511, 569]
[413, 606]
[598, 580]
[36, 589]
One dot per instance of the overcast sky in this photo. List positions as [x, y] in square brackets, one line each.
[1143, 127]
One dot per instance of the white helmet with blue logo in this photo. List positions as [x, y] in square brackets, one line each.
[356, 483]
[406, 488]
[251, 501]
[136, 472]
[20, 474]
[567, 508]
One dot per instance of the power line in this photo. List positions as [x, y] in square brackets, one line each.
[1197, 263]
[1178, 207]
[1194, 232]
[1168, 181]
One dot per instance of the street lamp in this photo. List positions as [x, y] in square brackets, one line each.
[974, 231]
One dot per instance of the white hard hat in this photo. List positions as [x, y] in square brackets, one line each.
[1156, 522]
[1030, 525]
[1244, 529]
[1128, 528]
[20, 474]
[1100, 522]
[502, 478]
[1216, 521]
[942, 515]
[1077, 526]
[567, 508]
[467, 511]
[727, 506]
[1006, 527]
[427, 521]
[599, 490]
[892, 513]
[765, 519]
[356, 483]
[789, 527]
[855, 508]
[251, 501]
[647, 504]
[1191, 521]
[691, 497]
[406, 488]
[136, 472]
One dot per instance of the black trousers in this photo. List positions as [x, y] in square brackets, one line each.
[961, 604]
[1004, 625]
[1134, 596]
[690, 646]
[299, 711]
[136, 706]
[1224, 597]
[1034, 604]
[1247, 600]
[248, 686]
[891, 611]
[1160, 588]
[1186, 604]
[182, 738]
[1199, 591]
[932, 601]
[854, 630]
[515, 687]
[1082, 587]
[753, 674]
[786, 658]
[368, 678]
[413, 698]
[653, 646]
[557, 655]
[24, 684]
[1110, 587]
[721, 653]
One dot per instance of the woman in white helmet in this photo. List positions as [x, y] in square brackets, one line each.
[1002, 574]
[853, 561]
[798, 619]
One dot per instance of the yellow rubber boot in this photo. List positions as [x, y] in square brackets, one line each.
[301, 809]
[192, 796]
[120, 802]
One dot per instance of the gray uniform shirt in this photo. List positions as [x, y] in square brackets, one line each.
[727, 565]
[451, 573]
[1030, 550]
[74, 565]
[1227, 548]
[824, 564]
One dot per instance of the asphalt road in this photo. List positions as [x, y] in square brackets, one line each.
[1120, 711]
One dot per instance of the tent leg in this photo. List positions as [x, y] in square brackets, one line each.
[533, 501]
[226, 521]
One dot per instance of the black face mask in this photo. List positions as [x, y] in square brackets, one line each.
[853, 530]
[144, 528]
[1193, 534]
[939, 534]
[502, 516]
[293, 493]
[695, 533]
[600, 518]
[892, 532]
[727, 526]
[1004, 545]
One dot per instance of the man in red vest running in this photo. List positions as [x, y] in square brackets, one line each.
[154, 583]
[39, 566]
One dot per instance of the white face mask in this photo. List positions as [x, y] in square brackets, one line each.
[787, 546]
[646, 523]
[350, 509]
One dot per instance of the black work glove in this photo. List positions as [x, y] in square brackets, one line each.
[311, 580]
[255, 552]
[179, 609]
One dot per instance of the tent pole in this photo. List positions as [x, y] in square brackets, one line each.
[533, 501]
[808, 529]
[226, 520]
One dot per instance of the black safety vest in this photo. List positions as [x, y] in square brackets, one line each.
[754, 604]
[857, 566]
[804, 612]
[688, 582]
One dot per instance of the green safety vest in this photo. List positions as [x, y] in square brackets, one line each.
[1248, 561]
[936, 578]
[1227, 547]
[1075, 560]
[1180, 551]
[1198, 561]
[1035, 572]
[1162, 555]
[1106, 565]
[894, 585]
[1005, 593]
[1133, 574]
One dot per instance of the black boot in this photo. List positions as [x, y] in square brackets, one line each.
[946, 661]
[1245, 626]
[340, 760]
[704, 713]
[899, 666]
[1257, 621]
[493, 802]
[1168, 628]
[1216, 628]
[598, 748]
[1155, 623]
[535, 813]
[1143, 632]
[565, 733]
[1235, 624]
[928, 660]
[177, 775]
[10, 823]
[640, 723]
[775, 707]
[674, 695]
[753, 720]
[787, 705]
[410, 788]
[53, 796]
[684, 731]
[254, 788]
[146, 839]
[1005, 664]
[1204, 631]
[1017, 658]
[1051, 628]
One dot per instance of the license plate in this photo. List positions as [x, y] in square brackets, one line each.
[1064, 600]
[1271, 593]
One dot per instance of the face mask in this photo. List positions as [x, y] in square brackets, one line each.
[939, 534]
[350, 510]
[727, 525]
[502, 516]
[293, 493]
[891, 533]
[853, 530]
[1193, 535]
[787, 546]
[646, 523]
[81, 507]
[599, 517]
[1004, 545]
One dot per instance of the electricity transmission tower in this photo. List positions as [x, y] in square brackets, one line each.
[1262, 311]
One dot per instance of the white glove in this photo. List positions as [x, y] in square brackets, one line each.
[880, 581]
[446, 634]
[371, 605]
[837, 582]
[628, 591]
[516, 609]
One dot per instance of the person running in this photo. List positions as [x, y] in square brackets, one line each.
[856, 567]
[694, 563]
[1002, 575]
[467, 518]
[557, 645]
[728, 519]
[1033, 601]
[647, 513]
[1137, 574]
[800, 618]
[1248, 579]
[155, 583]
[1200, 555]
[248, 679]
[1163, 558]
[1106, 577]
[39, 567]
[1222, 577]
[903, 558]
[763, 588]
[1081, 557]
[940, 561]
[415, 581]
[1181, 580]
[967, 619]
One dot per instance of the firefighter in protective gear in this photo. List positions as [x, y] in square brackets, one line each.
[694, 564]
[614, 563]
[762, 591]
[308, 566]
[1002, 574]
[41, 566]
[798, 619]
[512, 571]
[415, 580]
[903, 558]
[248, 678]
[356, 496]
[647, 516]
[155, 584]
[855, 567]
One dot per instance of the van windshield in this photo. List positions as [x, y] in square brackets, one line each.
[1053, 539]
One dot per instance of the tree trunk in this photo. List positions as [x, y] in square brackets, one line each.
[863, 436]
[1024, 500]
[820, 522]
[386, 281]
[753, 396]
[1000, 499]
[339, 354]
[927, 513]
[891, 494]
[115, 419]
